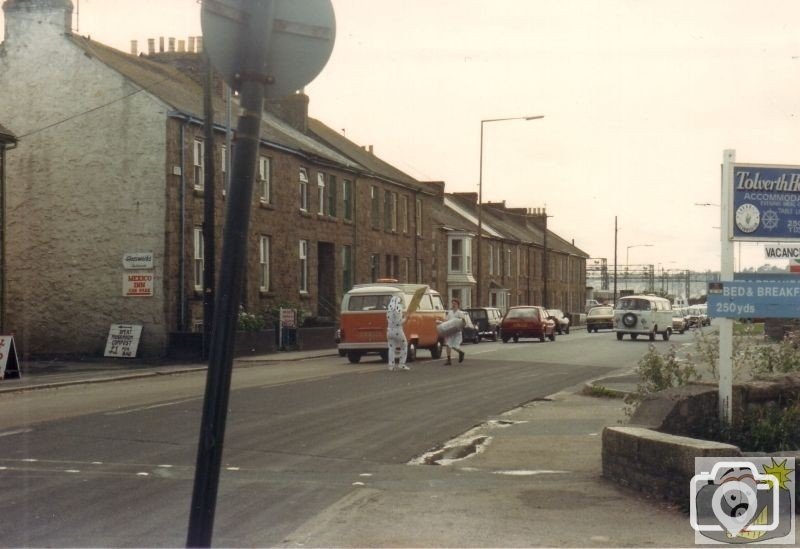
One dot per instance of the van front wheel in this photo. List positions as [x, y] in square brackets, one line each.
[666, 334]
[411, 354]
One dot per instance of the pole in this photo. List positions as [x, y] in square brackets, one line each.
[479, 285]
[726, 272]
[253, 46]
[615, 260]
[545, 265]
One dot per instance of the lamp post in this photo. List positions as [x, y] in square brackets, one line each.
[480, 201]
[627, 255]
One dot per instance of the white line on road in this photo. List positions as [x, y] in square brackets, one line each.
[16, 432]
[151, 407]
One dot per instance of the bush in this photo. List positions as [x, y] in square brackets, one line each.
[250, 322]
[657, 373]
[763, 429]
[782, 358]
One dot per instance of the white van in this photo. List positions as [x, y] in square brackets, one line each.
[643, 315]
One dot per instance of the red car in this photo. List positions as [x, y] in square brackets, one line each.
[527, 321]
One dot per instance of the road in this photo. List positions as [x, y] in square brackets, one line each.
[113, 464]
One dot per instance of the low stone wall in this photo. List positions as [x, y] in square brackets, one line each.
[655, 453]
[657, 464]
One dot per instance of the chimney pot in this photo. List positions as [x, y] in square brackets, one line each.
[172, 44]
[181, 46]
[160, 44]
[370, 150]
[134, 47]
[191, 44]
[151, 46]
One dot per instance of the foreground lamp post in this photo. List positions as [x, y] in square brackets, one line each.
[479, 291]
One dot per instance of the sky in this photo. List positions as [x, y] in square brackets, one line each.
[640, 99]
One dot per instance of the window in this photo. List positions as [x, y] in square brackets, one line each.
[304, 266]
[456, 256]
[387, 210]
[418, 216]
[199, 243]
[303, 190]
[404, 214]
[332, 195]
[198, 153]
[404, 270]
[394, 213]
[265, 179]
[491, 258]
[375, 207]
[347, 198]
[263, 259]
[321, 193]
[223, 158]
[419, 272]
[347, 272]
[508, 262]
[374, 267]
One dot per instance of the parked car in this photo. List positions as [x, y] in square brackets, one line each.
[643, 315]
[487, 320]
[600, 318]
[562, 320]
[527, 321]
[470, 331]
[680, 322]
[362, 326]
[698, 316]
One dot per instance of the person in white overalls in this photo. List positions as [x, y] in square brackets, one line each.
[454, 341]
[395, 336]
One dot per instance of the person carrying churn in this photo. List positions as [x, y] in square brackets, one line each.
[395, 336]
[453, 341]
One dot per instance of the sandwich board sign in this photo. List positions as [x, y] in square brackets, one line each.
[9, 362]
[123, 340]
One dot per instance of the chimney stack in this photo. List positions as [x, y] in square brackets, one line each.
[191, 44]
[172, 44]
[181, 46]
[151, 46]
[134, 48]
[160, 44]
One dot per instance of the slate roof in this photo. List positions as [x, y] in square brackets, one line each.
[517, 227]
[185, 95]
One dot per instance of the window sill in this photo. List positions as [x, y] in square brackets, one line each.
[198, 191]
[304, 213]
[266, 293]
[266, 205]
[305, 295]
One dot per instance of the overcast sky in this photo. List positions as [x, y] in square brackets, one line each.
[640, 99]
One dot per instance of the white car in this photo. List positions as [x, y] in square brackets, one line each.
[562, 320]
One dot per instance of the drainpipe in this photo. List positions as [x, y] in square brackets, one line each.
[416, 238]
[182, 260]
[3, 148]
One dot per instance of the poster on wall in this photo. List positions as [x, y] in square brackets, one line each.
[123, 340]
[138, 284]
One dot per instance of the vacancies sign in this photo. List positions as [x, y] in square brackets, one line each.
[766, 202]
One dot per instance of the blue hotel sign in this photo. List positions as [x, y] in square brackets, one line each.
[754, 299]
[766, 202]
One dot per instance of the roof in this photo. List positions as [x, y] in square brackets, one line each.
[383, 287]
[184, 95]
[374, 165]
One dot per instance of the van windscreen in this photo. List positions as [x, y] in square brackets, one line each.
[377, 302]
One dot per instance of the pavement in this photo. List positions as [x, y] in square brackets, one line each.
[529, 477]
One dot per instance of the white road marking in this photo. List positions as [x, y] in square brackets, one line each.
[15, 432]
[531, 473]
[151, 407]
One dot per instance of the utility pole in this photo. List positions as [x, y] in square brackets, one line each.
[209, 208]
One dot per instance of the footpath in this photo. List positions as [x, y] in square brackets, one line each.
[536, 480]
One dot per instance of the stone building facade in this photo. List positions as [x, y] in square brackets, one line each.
[111, 164]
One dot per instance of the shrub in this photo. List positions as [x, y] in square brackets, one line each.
[249, 322]
[656, 373]
[762, 429]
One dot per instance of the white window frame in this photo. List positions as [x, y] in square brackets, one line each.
[303, 266]
[394, 212]
[456, 257]
[491, 258]
[347, 199]
[303, 186]
[264, 247]
[198, 153]
[265, 179]
[321, 193]
[404, 213]
[404, 270]
[418, 216]
[198, 259]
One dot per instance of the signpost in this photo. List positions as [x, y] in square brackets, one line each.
[261, 48]
[760, 202]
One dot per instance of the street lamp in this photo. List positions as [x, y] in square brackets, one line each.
[480, 198]
[627, 255]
